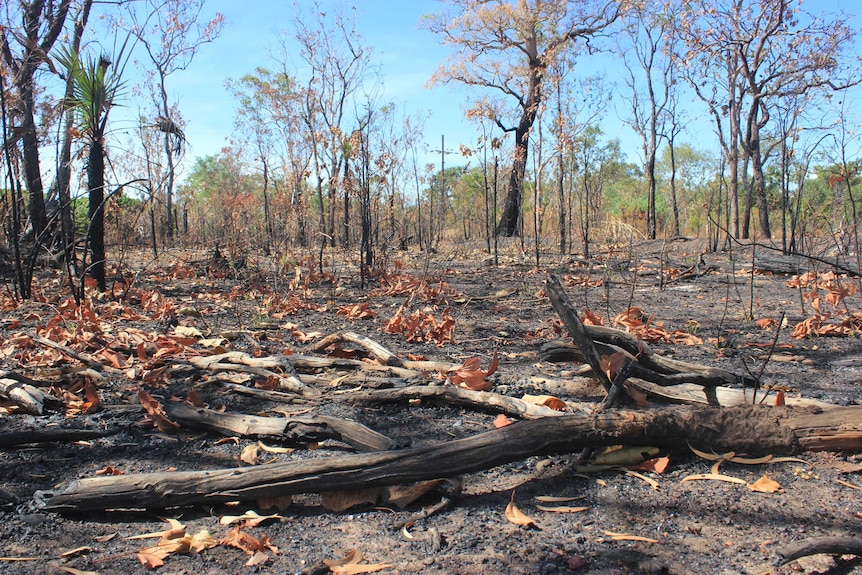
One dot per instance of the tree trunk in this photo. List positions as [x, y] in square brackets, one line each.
[746, 429]
[511, 216]
[32, 172]
[96, 185]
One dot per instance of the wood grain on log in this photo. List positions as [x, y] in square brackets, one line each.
[744, 429]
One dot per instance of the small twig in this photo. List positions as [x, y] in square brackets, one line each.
[79, 356]
[766, 360]
[425, 513]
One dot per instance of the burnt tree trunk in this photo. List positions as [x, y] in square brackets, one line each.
[749, 429]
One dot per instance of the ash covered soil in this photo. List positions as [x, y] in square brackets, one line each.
[684, 527]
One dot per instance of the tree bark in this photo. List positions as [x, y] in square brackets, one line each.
[748, 429]
[96, 185]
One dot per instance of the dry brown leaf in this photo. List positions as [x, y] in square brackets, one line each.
[470, 376]
[514, 515]
[651, 482]
[175, 528]
[238, 538]
[561, 509]
[249, 454]
[554, 403]
[712, 456]
[259, 558]
[156, 413]
[75, 552]
[628, 537]
[612, 363]
[752, 460]
[554, 499]
[152, 557]
[624, 455]
[764, 485]
[712, 477]
[357, 568]
[188, 331]
[350, 564]
[106, 538]
[73, 571]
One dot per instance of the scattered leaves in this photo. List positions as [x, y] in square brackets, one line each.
[469, 375]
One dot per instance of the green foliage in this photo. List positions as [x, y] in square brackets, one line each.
[95, 89]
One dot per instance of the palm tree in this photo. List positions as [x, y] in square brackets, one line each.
[95, 89]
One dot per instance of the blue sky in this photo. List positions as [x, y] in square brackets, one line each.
[407, 57]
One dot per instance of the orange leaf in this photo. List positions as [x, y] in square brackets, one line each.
[611, 364]
[502, 421]
[765, 485]
[156, 413]
[470, 376]
[656, 465]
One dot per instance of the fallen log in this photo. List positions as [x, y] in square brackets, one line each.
[743, 429]
[296, 429]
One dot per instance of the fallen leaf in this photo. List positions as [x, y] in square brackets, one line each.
[712, 456]
[656, 465]
[249, 454]
[713, 477]
[152, 557]
[612, 363]
[764, 485]
[187, 331]
[624, 455]
[502, 421]
[156, 413]
[75, 552]
[175, 528]
[651, 482]
[108, 470]
[106, 538]
[350, 564]
[514, 515]
[561, 509]
[553, 499]
[73, 571]
[259, 558]
[628, 537]
[470, 376]
[554, 403]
